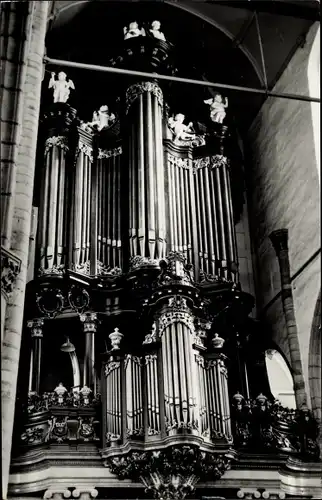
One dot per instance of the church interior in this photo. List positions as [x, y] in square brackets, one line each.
[160, 250]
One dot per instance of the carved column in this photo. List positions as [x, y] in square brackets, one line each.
[89, 321]
[279, 240]
[147, 222]
[16, 20]
[36, 327]
[21, 222]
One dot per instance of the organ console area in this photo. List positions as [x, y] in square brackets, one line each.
[138, 341]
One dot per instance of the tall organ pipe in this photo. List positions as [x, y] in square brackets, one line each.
[51, 239]
[146, 171]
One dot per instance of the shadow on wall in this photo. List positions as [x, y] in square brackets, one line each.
[315, 361]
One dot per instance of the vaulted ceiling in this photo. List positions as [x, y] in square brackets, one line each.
[216, 40]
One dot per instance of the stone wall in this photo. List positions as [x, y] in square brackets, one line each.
[283, 192]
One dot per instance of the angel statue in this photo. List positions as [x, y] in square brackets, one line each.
[133, 31]
[61, 87]
[181, 131]
[155, 31]
[217, 108]
[102, 118]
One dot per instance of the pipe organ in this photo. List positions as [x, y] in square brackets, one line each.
[136, 263]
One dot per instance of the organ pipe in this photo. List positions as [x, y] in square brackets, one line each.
[53, 206]
[146, 171]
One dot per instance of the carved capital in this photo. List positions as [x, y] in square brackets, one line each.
[85, 493]
[252, 493]
[36, 327]
[90, 322]
[176, 311]
[59, 141]
[279, 239]
[134, 91]
[10, 268]
[57, 493]
[218, 161]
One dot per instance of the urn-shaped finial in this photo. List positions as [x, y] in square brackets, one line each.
[238, 398]
[115, 338]
[261, 399]
[217, 342]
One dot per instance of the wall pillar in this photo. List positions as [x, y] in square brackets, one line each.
[279, 240]
[21, 223]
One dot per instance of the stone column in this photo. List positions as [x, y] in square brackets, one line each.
[36, 327]
[89, 321]
[21, 224]
[15, 30]
[279, 240]
[10, 268]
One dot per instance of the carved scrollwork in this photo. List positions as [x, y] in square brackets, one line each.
[261, 423]
[86, 150]
[109, 367]
[110, 437]
[54, 270]
[78, 298]
[137, 89]
[211, 162]
[101, 154]
[59, 141]
[32, 435]
[176, 311]
[50, 301]
[58, 429]
[86, 429]
[175, 270]
[109, 153]
[170, 470]
[10, 268]
[36, 327]
[217, 161]
[140, 261]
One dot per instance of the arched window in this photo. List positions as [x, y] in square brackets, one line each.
[280, 378]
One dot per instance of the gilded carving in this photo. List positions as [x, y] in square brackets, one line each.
[137, 89]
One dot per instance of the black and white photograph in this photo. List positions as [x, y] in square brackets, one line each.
[160, 250]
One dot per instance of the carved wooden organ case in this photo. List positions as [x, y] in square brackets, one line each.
[136, 248]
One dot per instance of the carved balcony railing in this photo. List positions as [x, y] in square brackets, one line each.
[51, 418]
[267, 426]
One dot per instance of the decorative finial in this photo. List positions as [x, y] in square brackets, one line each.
[217, 342]
[115, 338]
